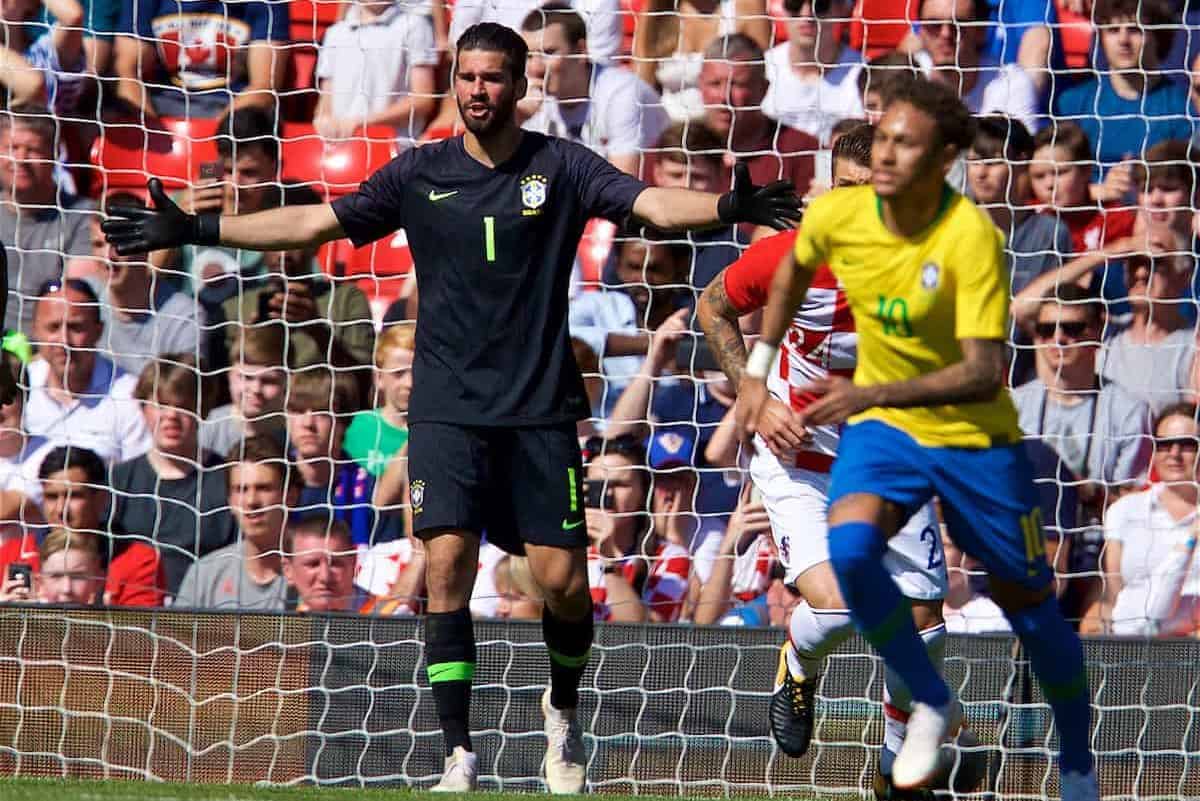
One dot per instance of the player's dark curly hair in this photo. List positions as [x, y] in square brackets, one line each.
[955, 124]
[855, 144]
[497, 39]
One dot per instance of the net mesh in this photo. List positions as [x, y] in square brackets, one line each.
[326, 93]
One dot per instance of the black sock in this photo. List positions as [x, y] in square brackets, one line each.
[569, 644]
[450, 657]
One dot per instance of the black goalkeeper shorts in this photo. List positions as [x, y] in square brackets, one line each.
[516, 485]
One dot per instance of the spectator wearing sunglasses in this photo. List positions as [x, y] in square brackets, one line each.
[77, 396]
[953, 36]
[813, 75]
[1152, 579]
[1153, 357]
[1096, 426]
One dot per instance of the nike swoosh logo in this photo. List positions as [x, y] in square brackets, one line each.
[434, 673]
[568, 526]
[435, 196]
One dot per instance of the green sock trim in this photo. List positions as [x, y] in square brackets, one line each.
[891, 625]
[451, 671]
[570, 661]
[1072, 688]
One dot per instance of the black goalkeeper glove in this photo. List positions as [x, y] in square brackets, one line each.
[775, 204]
[132, 230]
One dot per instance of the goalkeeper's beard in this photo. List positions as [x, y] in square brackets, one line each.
[501, 114]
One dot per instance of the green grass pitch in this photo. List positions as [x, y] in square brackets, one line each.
[123, 790]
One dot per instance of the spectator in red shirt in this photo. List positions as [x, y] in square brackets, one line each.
[733, 84]
[75, 497]
[71, 572]
[1061, 172]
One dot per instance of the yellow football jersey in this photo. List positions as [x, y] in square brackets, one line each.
[913, 301]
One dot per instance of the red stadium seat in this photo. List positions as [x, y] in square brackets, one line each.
[879, 25]
[594, 247]
[338, 167]
[311, 18]
[127, 154]
[387, 258]
[1076, 33]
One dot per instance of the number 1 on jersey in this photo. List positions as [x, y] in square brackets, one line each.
[489, 238]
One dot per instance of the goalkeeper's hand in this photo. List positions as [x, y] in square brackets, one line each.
[775, 204]
[133, 230]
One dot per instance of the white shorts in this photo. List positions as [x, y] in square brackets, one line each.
[797, 501]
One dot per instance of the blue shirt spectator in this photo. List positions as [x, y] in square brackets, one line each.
[1129, 107]
[198, 54]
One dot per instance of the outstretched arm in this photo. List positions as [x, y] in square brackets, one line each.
[136, 230]
[775, 204]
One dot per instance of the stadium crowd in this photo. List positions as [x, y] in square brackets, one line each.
[212, 428]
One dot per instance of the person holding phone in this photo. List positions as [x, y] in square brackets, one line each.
[615, 498]
[242, 180]
[71, 572]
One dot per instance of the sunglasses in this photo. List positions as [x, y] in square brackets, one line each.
[1187, 444]
[1073, 330]
[819, 7]
[624, 445]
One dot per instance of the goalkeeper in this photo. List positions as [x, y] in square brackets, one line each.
[493, 220]
[790, 467]
[923, 271]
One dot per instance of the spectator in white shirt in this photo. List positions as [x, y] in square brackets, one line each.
[606, 108]
[77, 396]
[813, 75]
[376, 67]
[1152, 580]
[953, 34]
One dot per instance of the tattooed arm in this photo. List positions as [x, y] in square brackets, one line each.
[779, 426]
[719, 319]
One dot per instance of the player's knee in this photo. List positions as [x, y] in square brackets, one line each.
[449, 580]
[568, 595]
[818, 585]
[854, 547]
